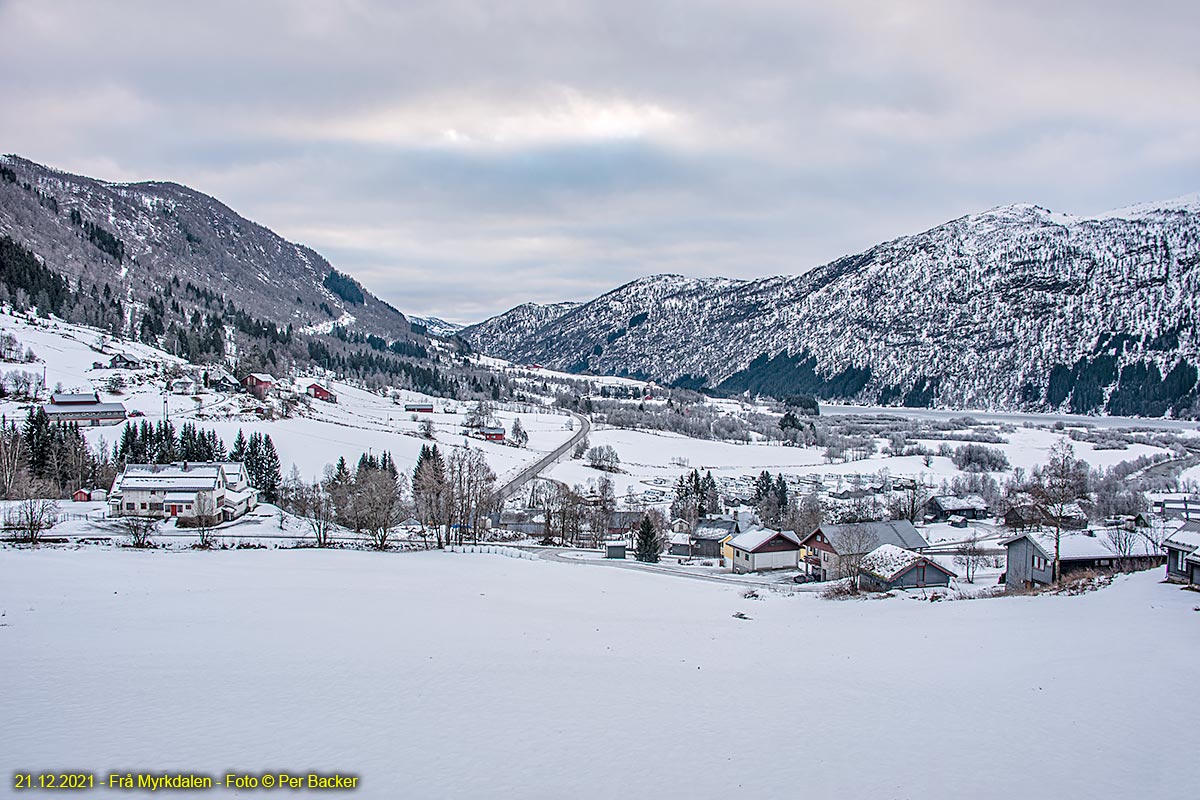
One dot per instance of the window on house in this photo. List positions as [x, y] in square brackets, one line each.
[143, 506]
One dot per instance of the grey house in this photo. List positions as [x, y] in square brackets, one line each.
[890, 567]
[1183, 547]
[1031, 556]
[706, 540]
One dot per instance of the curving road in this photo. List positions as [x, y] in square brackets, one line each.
[553, 457]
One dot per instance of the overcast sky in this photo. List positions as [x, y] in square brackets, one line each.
[460, 158]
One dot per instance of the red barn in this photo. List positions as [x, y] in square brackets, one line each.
[492, 434]
[321, 393]
[259, 384]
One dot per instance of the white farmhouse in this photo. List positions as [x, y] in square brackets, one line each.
[183, 489]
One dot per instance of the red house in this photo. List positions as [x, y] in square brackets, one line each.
[259, 384]
[492, 434]
[321, 393]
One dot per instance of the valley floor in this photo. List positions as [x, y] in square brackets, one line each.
[455, 675]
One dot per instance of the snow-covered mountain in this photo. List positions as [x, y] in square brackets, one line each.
[1015, 307]
[138, 237]
[496, 334]
[436, 326]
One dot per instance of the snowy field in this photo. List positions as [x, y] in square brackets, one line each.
[650, 460]
[447, 675]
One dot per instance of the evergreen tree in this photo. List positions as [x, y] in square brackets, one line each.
[646, 546]
[38, 442]
[269, 468]
[781, 491]
[238, 451]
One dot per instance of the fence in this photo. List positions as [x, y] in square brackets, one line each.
[491, 549]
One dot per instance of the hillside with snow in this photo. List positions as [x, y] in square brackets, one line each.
[307, 433]
[1017, 307]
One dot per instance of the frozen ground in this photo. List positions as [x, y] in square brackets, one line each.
[447, 675]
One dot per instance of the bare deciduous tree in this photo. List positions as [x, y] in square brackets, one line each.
[852, 542]
[205, 508]
[36, 510]
[1058, 485]
[1121, 540]
[380, 500]
[139, 529]
[970, 555]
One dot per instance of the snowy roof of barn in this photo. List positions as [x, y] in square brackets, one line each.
[84, 408]
[751, 540]
[888, 562]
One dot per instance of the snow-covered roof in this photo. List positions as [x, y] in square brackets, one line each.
[1186, 538]
[970, 502]
[1085, 545]
[898, 532]
[262, 377]
[714, 528]
[754, 539]
[76, 399]
[680, 538]
[176, 477]
[887, 562]
[85, 409]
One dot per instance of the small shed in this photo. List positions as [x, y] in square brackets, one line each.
[890, 567]
[615, 548]
[81, 495]
[680, 545]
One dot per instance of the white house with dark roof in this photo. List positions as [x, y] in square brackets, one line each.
[182, 490]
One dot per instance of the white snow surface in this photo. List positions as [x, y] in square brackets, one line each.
[887, 561]
[466, 676]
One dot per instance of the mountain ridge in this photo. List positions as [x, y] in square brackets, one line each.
[1015, 307]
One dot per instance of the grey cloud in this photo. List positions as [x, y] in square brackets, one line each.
[462, 157]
